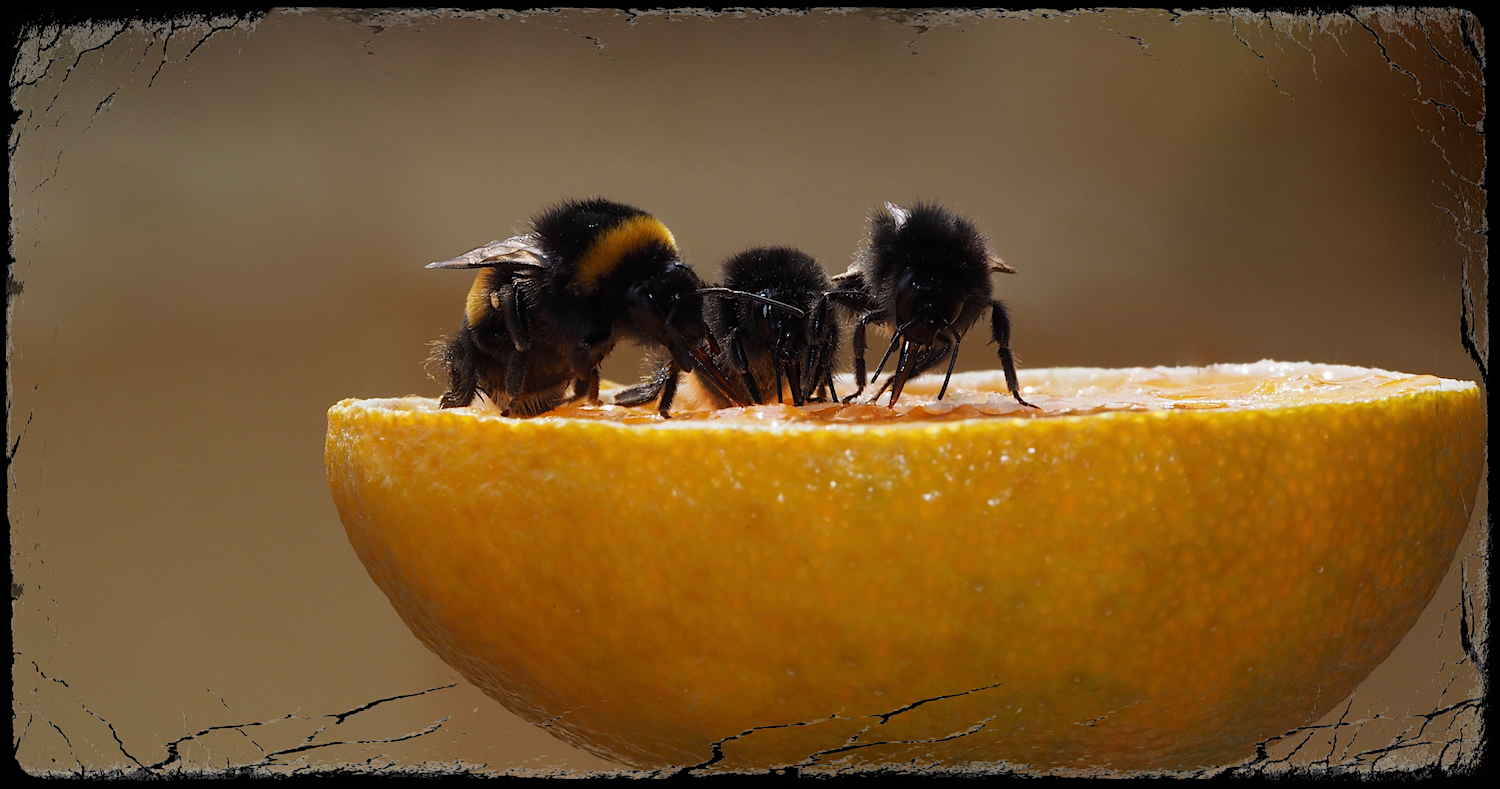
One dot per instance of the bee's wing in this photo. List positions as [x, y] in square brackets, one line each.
[517, 252]
[897, 213]
[998, 266]
[850, 291]
[853, 277]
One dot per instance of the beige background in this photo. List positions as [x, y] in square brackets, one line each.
[220, 227]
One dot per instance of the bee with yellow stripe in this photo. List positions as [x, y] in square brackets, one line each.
[547, 307]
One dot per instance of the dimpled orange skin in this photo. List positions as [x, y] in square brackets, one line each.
[1131, 590]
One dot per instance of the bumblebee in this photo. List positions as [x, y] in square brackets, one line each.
[925, 273]
[547, 307]
[784, 345]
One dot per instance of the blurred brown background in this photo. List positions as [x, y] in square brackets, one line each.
[220, 228]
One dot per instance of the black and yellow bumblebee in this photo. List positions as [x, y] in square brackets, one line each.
[548, 306]
[782, 347]
[924, 272]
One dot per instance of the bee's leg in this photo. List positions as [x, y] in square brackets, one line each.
[457, 398]
[463, 373]
[952, 349]
[742, 360]
[859, 351]
[823, 374]
[668, 389]
[534, 404]
[646, 392]
[585, 365]
[854, 296]
[821, 348]
[593, 388]
[586, 387]
[508, 302]
[858, 339]
[895, 336]
[494, 366]
[794, 380]
[1000, 326]
[585, 378]
[818, 328]
[888, 381]
[776, 366]
[818, 323]
[515, 375]
[636, 395]
[816, 390]
[851, 298]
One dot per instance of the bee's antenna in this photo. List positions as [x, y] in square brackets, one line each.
[747, 296]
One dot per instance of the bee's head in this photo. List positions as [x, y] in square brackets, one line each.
[668, 303]
[666, 308]
[784, 332]
[923, 308]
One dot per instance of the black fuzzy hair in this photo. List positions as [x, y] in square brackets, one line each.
[782, 273]
[569, 228]
[933, 241]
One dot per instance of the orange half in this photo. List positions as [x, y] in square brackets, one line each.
[1156, 569]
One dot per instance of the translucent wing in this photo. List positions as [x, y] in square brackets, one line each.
[516, 252]
[852, 277]
[898, 213]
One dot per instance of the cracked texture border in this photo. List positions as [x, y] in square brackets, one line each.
[1448, 93]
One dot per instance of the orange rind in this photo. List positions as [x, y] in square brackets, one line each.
[1155, 569]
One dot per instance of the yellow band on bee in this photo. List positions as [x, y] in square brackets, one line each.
[479, 301]
[613, 245]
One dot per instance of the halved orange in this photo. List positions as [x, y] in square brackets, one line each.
[1154, 570]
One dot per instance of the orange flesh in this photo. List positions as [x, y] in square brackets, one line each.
[1071, 392]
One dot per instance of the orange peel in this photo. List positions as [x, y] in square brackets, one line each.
[1156, 569]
